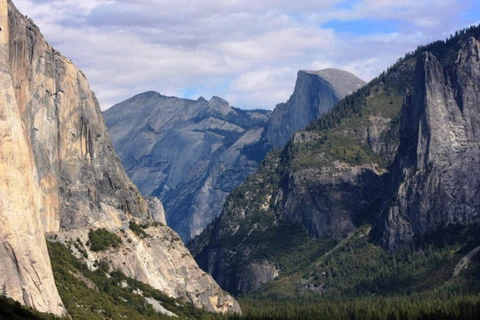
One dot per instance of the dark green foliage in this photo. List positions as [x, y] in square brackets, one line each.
[157, 224]
[256, 151]
[94, 295]
[102, 239]
[79, 246]
[359, 280]
[357, 267]
[446, 51]
[139, 229]
[288, 246]
[348, 106]
[418, 307]
[13, 310]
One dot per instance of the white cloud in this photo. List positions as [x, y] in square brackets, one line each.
[262, 87]
[243, 50]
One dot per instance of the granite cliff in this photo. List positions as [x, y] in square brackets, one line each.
[61, 176]
[316, 92]
[397, 161]
[436, 174]
[212, 147]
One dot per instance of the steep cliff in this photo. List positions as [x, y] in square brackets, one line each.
[60, 173]
[190, 154]
[212, 146]
[25, 266]
[437, 172]
[316, 92]
[399, 155]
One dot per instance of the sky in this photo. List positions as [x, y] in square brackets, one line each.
[245, 51]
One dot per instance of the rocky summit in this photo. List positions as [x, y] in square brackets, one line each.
[192, 153]
[188, 153]
[316, 92]
[60, 175]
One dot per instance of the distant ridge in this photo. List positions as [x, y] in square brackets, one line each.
[193, 153]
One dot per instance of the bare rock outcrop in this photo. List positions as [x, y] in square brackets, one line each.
[437, 169]
[25, 270]
[60, 174]
[316, 92]
[157, 257]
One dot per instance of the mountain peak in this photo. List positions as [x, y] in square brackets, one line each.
[316, 92]
[219, 105]
[401, 154]
[150, 93]
[343, 82]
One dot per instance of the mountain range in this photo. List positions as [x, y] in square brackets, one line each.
[350, 200]
[393, 168]
[192, 154]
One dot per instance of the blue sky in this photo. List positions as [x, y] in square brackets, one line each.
[247, 52]
[363, 26]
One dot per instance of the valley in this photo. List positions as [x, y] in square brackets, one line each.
[350, 200]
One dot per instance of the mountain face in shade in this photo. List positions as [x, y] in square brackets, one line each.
[397, 161]
[316, 92]
[60, 175]
[192, 154]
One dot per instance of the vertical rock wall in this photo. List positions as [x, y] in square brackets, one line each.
[59, 173]
[437, 168]
[25, 270]
[316, 92]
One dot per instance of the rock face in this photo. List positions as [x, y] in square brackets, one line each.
[192, 154]
[60, 173]
[400, 154]
[438, 165]
[25, 267]
[243, 248]
[160, 259]
[25, 270]
[316, 92]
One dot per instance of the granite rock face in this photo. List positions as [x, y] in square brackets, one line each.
[437, 170]
[192, 154]
[25, 270]
[60, 174]
[159, 259]
[316, 92]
